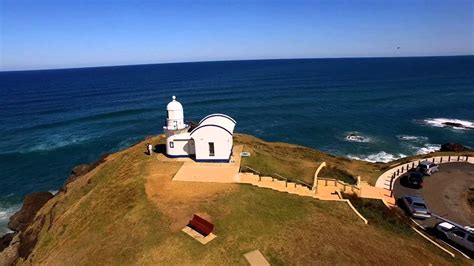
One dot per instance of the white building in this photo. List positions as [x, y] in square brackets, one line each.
[210, 141]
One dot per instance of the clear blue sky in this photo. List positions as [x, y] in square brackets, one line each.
[40, 34]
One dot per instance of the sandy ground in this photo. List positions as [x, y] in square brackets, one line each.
[445, 192]
[210, 172]
[180, 200]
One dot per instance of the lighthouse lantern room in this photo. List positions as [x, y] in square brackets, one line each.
[175, 118]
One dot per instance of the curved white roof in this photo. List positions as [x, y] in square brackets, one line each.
[221, 115]
[174, 105]
[217, 120]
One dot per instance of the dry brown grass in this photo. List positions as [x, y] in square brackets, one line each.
[127, 211]
[180, 200]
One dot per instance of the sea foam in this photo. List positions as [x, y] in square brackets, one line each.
[382, 156]
[5, 214]
[53, 142]
[412, 138]
[450, 123]
[428, 148]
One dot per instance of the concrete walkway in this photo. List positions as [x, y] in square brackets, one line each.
[256, 258]
[192, 171]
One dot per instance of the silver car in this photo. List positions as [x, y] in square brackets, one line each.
[456, 234]
[427, 168]
[416, 207]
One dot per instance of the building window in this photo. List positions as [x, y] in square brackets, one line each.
[211, 149]
[171, 144]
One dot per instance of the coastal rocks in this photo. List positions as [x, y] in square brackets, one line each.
[81, 170]
[457, 125]
[10, 254]
[355, 137]
[22, 241]
[5, 241]
[76, 172]
[454, 147]
[29, 237]
[31, 204]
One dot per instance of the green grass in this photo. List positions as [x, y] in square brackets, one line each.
[106, 218]
[297, 162]
[379, 215]
[337, 173]
[97, 217]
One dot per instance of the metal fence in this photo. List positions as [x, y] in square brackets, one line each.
[345, 187]
[406, 167]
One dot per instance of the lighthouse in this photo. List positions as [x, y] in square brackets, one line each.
[175, 118]
[210, 141]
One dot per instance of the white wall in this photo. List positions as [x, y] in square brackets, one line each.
[182, 145]
[175, 120]
[223, 142]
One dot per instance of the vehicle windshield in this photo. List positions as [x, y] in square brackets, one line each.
[419, 205]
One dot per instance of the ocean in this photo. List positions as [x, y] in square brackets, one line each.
[52, 120]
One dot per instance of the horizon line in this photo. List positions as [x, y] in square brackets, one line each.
[232, 60]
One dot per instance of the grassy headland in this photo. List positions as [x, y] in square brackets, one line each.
[299, 162]
[128, 211]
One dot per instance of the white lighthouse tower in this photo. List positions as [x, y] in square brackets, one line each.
[210, 141]
[175, 118]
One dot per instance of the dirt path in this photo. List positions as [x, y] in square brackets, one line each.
[179, 200]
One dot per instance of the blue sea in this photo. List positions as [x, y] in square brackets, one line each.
[52, 120]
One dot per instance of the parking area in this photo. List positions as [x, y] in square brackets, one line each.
[445, 194]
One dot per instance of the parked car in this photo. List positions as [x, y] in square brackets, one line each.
[415, 206]
[412, 179]
[457, 235]
[427, 168]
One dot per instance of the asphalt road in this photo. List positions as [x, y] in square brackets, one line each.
[444, 193]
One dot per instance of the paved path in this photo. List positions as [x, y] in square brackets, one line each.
[192, 171]
[210, 172]
[444, 193]
[256, 258]
[384, 180]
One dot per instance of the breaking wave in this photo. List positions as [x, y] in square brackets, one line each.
[5, 213]
[411, 138]
[382, 156]
[450, 123]
[428, 148]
